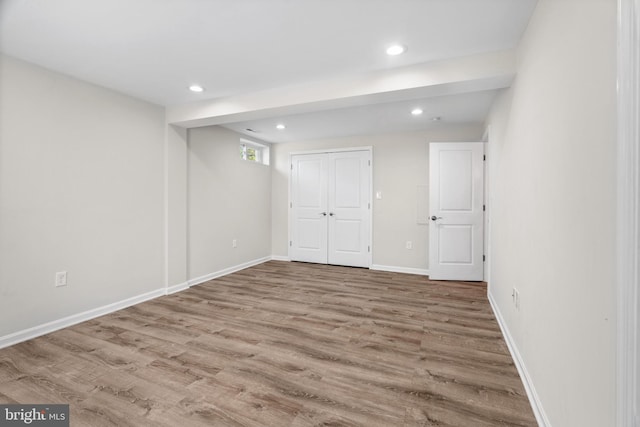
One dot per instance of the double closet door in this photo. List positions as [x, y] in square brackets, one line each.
[330, 208]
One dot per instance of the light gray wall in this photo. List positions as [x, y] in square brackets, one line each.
[176, 159]
[81, 190]
[552, 202]
[400, 165]
[229, 198]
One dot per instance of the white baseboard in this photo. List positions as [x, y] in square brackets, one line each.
[65, 322]
[534, 399]
[407, 270]
[226, 271]
[280, 258]
[177, 288]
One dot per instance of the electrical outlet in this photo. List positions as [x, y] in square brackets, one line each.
[61, 278]
[234, 243]
[409, 244]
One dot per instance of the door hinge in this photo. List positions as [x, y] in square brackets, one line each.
[291, 166]
[369, 205]
[484, 157]
[484, 208]
[290, 243]
[368, 248]
[290, 204]
[484, 258]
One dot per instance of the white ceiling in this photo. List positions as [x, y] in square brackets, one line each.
[154, 49]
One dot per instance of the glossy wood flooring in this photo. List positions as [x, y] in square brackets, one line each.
[282, 344]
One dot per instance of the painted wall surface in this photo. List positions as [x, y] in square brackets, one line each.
[400, 165]
[81, 190]
[551, 159]
[229, 198]
[176, 159]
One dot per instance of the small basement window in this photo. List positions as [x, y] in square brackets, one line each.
[254, 152]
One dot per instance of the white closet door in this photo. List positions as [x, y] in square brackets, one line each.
[349, 204]
[309, 208]
[330, 208]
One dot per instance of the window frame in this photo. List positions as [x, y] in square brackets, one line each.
[261, 151]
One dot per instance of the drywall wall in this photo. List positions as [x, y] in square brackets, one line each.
[400, 165]
[229, 199]
[176, 155]
[551, 160]
[81, 190]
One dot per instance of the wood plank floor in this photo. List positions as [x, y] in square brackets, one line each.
[282, 344]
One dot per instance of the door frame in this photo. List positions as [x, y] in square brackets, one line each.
[486, 138]
[368, 148]
[628, 221]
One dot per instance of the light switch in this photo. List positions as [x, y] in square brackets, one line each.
[61, 278]
[378, 195]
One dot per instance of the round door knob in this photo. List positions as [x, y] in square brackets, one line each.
[433, 218]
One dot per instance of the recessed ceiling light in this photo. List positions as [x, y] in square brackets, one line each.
[416, 111]
[396, 49]
[196, 88]
[436, 119]
[280, 126]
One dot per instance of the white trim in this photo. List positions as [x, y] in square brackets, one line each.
[165, 195]
[534, 399]
[628, 224]
[331, 150]
[370, 260]
[224, 272]
[407, 270]
[289, 204]
[261, 144]
[74, 319]
[280, 258]
[177, 288]
[486, 138]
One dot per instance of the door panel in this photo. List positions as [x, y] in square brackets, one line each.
[456, 183]
[349, 204]
[455, 243]
[310, 189]
[309, 208]
[309, 233]
[456, 232]
[346, 185]
[347, 236]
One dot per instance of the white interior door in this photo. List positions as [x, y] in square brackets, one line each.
[309, 208]
[349, 204]
[456, 235]
[330, 208]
